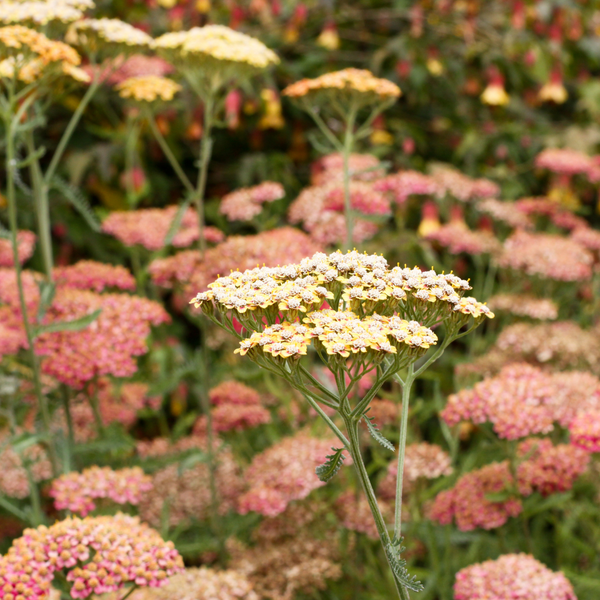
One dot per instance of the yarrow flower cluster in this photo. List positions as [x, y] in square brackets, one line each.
[202, 583]
[183, 496]
[363, 167]
[31, 54]
[213, 48]
[585, 430]
[40, 13]
[524, 305]
[320, 211]
[457, 238]
[98, 555]
[246, 203]
[283, 473]
[149, 227]
[237, 407]
[25, 248]
[93, 275]
[15, 468]
[564, 161]
[421, 461]
[355, 85]
[553, 210]
[362, 283]
[560, 345]
[523, 400]
[505, 212]
[77, 492]
[549, 469]
[269, 248]
[451, 182]
[107, 35]
[108, 346]
[404, 184]
[512, 576]
[468, 504]
[148, 88]
[546, 255]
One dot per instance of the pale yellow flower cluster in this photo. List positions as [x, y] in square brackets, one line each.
[353, 82]
[107, 34]
[38, 12]
[203, 46]
[148, 88]
[31, 54]
[388, 302]
[340, 333]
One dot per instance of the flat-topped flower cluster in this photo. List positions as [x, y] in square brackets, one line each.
[370, 302]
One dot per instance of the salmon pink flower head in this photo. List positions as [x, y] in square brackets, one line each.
[512, 576]
[283, 473]
[97, 555]
[93, 275]
[77, 492]
[559, 345]
[233, 392]
[320, 210]
[523, 400]
[15, 468]
[404, 184]
[363, 167]
[564, 161]
[554, 211]
[453, 183]
[25, 248]
[505, 212]
[547, 256]
[271, 248]
[246, 203]
[586, 236]
[549, 469]
[585, 430]
[234, 417]
[468, 503]
[524, 305]
[457, 238]
[148, 227]
[182, 497]
[109, 346]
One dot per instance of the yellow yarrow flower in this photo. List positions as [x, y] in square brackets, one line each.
[148, 88]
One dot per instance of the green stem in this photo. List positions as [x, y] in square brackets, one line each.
[42, 210]
[11, 508]
[66, 136]
[68, 418]
[12, 217]
[93, 398]
[352, 430]
[168, 152]
[348, 143]
[401, 449]
[132, 589]
[205, 154]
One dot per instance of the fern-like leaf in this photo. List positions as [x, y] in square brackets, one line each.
[78, 201]
[374, 431]
[393, 550]
[331, 466]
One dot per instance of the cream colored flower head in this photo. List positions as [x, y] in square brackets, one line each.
[148, 88]
[349, 85]
[215, 46]
[110, 35]
[37, 13]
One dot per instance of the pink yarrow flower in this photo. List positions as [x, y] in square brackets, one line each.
[77, 492]
[510, 577]
[93, 275]
[585, 431]
[25, 248]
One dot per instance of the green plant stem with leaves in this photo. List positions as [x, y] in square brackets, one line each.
[12, 117]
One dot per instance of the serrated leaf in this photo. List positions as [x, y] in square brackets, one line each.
[398, 566]
[74, 325]
[47, 290]
[374, 431]
[331, 466]
[78, 201]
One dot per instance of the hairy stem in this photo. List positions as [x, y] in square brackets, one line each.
[348, 143]
[406, 388]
